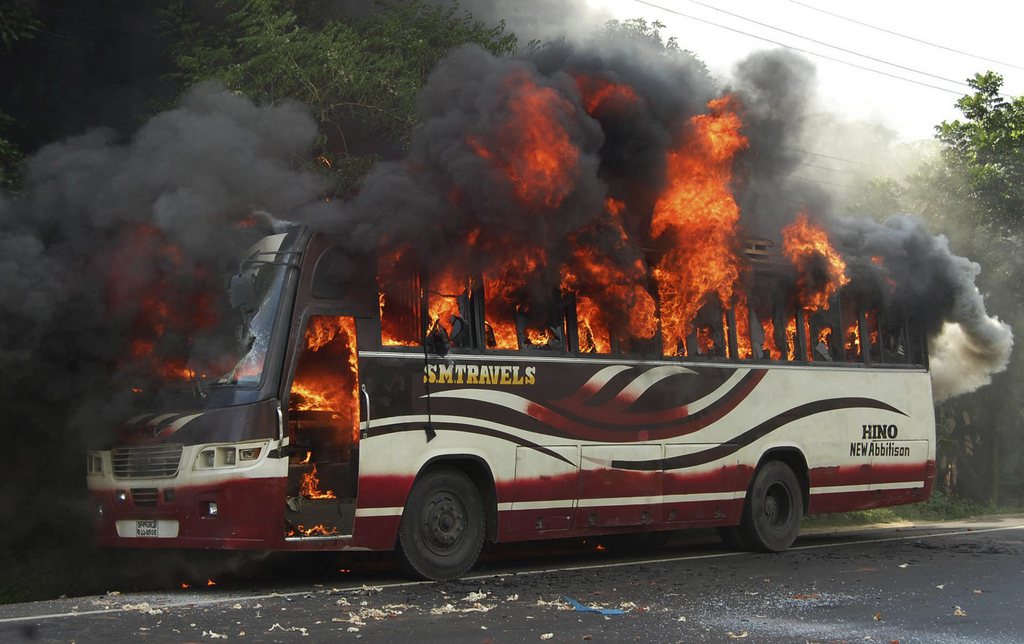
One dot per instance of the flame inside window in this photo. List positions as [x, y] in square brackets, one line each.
[327, 376]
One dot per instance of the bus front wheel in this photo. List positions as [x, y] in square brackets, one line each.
[774, 507]
[442, 528]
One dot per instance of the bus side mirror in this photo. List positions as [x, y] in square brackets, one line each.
[242, 292]
[437, 342]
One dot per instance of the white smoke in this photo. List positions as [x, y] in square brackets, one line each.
[962, 360]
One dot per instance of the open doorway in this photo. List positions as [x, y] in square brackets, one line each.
[323, 431]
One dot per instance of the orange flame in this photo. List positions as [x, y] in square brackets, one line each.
[319, 530]
[600, 94]
[319, 385]
[310, 487]
[700, 217]
[532, 147]
[807, 246]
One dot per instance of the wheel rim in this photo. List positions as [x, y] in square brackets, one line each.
[444, 523]
[778, 507]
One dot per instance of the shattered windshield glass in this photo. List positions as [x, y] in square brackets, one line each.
[235, 353]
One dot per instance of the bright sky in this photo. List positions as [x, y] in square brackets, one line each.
[983, 28]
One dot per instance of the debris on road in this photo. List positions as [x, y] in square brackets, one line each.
[580, 608]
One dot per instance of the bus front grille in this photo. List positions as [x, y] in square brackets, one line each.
[149, 462]
[145, 497]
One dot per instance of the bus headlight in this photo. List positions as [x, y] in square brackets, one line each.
[225, 456]
[249, 453]
[94, 463]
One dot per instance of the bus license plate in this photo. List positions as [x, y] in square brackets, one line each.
[146, 528]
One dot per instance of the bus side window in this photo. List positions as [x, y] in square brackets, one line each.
[549, 335]
[399, 304]
[822, 336]
[708, 337]
[592, 331]
[449, 311]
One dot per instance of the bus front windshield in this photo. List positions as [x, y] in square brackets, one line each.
[234, 354]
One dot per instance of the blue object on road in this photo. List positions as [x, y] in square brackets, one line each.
[587, 609]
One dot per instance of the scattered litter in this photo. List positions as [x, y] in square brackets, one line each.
[580, 608]
[214, 636]
[352, 629]
[113, 593]
[547, 636]
[903, 565]
[366, 590]
[737, 636]
[978, 591]
[588, 637]
[342, 602]
[512, 598]
[878, 617]
[289, 629]
[806, 596]
[143, 607]
[448, 609]
[237, 607]
[941, 586]
[557, 603]
[475, 597]
[681, 618]
[959, 612]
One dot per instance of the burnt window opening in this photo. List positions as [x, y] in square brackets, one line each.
[822, 336]
[546, 331]
[707, 333]
[768, 324]
[592, 331]
[500, 309]
[399, 304]
[450, 305]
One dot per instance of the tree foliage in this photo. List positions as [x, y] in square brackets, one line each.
[17, 23]
[360, 76]
[984, 153]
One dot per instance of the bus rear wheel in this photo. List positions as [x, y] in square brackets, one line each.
[442, 528]
[774, 507]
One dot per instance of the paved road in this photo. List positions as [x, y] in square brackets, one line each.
[951, 582]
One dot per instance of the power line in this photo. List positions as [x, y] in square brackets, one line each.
[902, 35]
[803, 51]
[825, 44]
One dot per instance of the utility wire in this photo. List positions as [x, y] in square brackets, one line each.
[825, 44]
[905, 36]
[803, 51]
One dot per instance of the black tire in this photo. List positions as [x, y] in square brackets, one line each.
[774, 508]
[442, 528]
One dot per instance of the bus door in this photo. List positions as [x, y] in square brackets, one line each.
[323, 430]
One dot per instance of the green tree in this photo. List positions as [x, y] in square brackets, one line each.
[984, 153]
[360, 77]
[974, 191]
[17, 23]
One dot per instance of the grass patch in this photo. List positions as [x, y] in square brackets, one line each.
[940, 507]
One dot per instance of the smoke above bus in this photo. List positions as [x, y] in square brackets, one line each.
[621, 173]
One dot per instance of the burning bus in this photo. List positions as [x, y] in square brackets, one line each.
[537, 326]
[429, 413]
